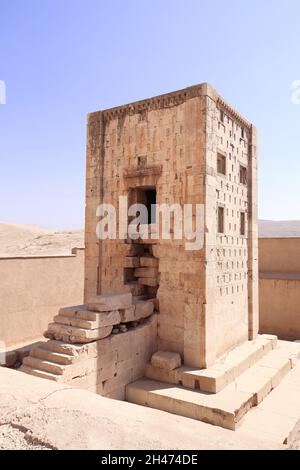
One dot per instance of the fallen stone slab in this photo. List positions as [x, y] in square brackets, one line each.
[110, 302]
[101, 320]
[72, 334]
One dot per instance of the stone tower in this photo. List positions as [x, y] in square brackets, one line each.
[184, 147]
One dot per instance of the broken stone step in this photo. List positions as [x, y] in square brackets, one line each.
[61, 347]
[39, 373]
[46, 366]
[72, 334]
[102, 319]
[227, 368]
[58, 358]
[143, 309]
[110, 302]
[78, 311]
[224, 409]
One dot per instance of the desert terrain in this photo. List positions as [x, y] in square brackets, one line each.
[28, 240]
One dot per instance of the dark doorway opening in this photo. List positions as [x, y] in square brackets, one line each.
[150, 197]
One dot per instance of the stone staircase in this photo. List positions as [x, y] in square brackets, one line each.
[238, 383]
[89, 344]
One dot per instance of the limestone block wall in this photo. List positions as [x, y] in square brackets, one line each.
[116, 361]
[32, 289]
[231, 247]
[208, 298]
[231, 256]
[159, 146]
[279, 287]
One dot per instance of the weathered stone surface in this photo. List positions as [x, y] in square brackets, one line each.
[131, 262]
[101, 320]
[146, 272]
[148, 261]
[10, 358]
[189, 403]
[127, 314]
[110, 302]
[79, 311]
[76, 335]
[166, 360]
[147, 281]
[143, 309]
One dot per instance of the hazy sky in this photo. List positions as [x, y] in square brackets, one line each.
[61, 59]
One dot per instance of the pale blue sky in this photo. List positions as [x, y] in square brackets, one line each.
[61, 59]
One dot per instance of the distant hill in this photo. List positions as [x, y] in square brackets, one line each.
[27, 240]
[280, 228]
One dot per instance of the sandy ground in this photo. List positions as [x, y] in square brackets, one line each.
[40, 414]
[27, 240]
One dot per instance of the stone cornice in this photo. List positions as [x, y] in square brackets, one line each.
[170, 100]
[167, 100]
[232, 113]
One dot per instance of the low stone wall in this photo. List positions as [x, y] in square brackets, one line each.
[32, 289]
[279, 303]
[279, 254]
[279, 287]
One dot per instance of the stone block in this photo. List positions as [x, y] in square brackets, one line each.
[110, 302]
[146, 272]
[101, 320]
[166, 360]
[71, 334]
[10, 358]
[148, 281]
[127, 314]
[148, 262]
[143, 309]
[131, 262]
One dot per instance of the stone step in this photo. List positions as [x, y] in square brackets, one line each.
[61, 347]
[101, 320]
[263, 377]
[110, 302]
[277, 418]
[42, 365]
[254, 384]
[73, 334]
[222, 373]
[78, 311]
[58, 358]
[223, 409]
[38, 373]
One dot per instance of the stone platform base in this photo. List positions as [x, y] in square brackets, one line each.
[256, 377]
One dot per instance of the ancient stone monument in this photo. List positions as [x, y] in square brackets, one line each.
[166, 323]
